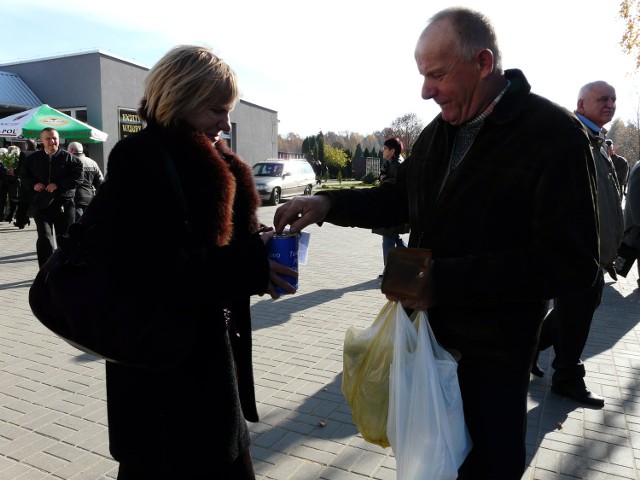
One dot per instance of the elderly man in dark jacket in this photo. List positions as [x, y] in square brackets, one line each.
[92, 178]
[53, 174]
[567, 325]
[484, 190]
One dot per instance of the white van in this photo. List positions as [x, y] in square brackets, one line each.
[276, 178]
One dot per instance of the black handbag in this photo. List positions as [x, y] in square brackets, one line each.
[78, 295]
[627, 256]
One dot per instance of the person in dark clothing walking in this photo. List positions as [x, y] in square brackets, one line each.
[631, 214]
[391, 153]
[621, 165]
[5, 181]
[92, 178]
[10, 183]
[25, 195]
[567, 324]
[53, 174]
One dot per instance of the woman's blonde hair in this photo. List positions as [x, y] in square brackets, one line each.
[186, 79]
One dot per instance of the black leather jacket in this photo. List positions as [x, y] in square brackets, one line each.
[62, 168]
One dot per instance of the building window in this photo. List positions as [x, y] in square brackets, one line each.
[79, 113]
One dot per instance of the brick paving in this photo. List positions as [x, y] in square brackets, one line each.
[53, 421]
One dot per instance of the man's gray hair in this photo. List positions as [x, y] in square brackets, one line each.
[474, 32]
[76, 146]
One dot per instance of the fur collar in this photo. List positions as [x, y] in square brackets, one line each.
[218, 185]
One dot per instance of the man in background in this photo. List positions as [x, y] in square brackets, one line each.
[92, 178]
[25, 195]
[632, 214]
[53, 174]
[567, 324]
[621, 165]
[392, 155]
[4, 184]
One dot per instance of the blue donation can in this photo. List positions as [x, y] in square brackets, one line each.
[283, 248]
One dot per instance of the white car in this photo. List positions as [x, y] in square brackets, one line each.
[276, 178]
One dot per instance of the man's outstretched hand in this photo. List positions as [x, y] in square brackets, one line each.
[300, 212]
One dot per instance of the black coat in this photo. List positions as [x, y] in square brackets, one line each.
[168, 415]
[388, 173]
[25, 193]
[64, 169]
[514, 226]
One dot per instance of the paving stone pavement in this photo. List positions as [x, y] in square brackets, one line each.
[53, 421]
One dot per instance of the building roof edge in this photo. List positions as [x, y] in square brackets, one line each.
[76, 54]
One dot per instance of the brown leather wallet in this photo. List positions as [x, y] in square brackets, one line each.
[406, 272]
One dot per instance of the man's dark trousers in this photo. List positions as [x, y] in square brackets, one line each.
[566, 327]
[52, 222]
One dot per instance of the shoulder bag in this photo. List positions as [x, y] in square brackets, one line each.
[78, 296]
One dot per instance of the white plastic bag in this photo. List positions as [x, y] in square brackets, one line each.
[425, 427]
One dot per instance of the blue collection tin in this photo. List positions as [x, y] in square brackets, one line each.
[283, 248]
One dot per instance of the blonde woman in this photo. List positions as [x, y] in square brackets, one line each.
[164, 422]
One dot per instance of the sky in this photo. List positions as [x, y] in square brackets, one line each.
[335, 65]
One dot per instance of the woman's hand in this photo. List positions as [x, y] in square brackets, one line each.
[275, 280]
[276, 269]
[266, 233]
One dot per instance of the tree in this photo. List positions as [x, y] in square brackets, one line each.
[630, 42]
[292, 143]
[349, 168]
[628, 142]
[308, 147]
[626, 139]
[372, 141]
[407, 128]
[335, 157]
[358, 153]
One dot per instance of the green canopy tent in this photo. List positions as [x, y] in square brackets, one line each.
[29, 124]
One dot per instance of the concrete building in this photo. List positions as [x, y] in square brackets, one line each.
[104, 91]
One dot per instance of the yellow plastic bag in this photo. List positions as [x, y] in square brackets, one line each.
[367, 356]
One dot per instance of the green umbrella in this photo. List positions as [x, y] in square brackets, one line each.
[29, 124]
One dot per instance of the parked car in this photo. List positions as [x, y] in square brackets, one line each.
[277, 178]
